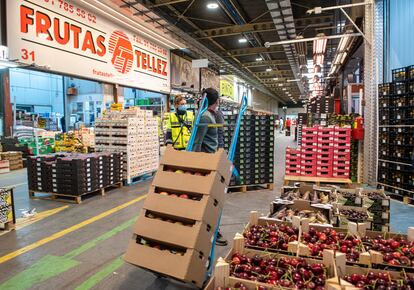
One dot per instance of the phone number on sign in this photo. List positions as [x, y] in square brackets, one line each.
[64, 5]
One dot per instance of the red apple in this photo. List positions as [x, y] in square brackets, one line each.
[184, 196]
[173, 195]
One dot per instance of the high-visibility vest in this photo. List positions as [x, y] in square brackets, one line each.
[181, 129]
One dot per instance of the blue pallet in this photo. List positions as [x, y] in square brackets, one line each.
[138, 179]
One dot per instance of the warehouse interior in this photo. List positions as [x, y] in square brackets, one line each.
[218, 145]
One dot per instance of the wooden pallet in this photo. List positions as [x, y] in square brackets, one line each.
[251, 187]
[8, 226]
[317, 180]
[138, 179]
[71, 198]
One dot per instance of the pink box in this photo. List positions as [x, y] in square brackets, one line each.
[292, 172]
[308, 173]
[328, 139]
[324, 173]
[289, 163]
[305, 149]
[325, 146]
[326, 156]
[338, 151]
[343, 139]
[340, 174]
[309, 144]
[341, 163]
[310, 138]
[341, 168]
[309, 129]
[324, 163]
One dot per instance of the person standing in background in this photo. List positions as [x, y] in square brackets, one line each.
[220, 130]
[179, 124]
[281, 124]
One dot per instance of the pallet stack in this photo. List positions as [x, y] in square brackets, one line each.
[254, 158]
[173, 234]
[74, 174]
[325, 152]
[396, 142]
[15, 159]
[309, 150]
[133, 132]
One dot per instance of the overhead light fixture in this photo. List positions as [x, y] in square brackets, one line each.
[268, 69]
[275, 79]
[212, 5]
[242, 40]
[291, 81]
[284, 89]
[259, 59]
[280, 85]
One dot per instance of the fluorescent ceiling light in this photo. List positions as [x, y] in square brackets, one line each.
[268, 69]
[275, 79]
[242, 40]
[280, 85]
[291, 81]
[212, 6]
[284, 89]
[259, 59]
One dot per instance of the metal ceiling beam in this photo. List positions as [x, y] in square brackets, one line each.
[274, 73]
[259, 27]
[266, 63]
[157, 3]
[251, 51]
[235, 30]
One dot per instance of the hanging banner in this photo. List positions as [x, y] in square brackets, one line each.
[226, 89]
[183, 74]
[209, 79]
[66, 38]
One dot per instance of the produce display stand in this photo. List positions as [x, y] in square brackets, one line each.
[7, 206]
[317, 180]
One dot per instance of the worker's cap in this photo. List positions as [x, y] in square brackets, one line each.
[212, 95]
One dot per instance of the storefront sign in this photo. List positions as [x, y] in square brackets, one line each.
[226, 89]
[66, 38]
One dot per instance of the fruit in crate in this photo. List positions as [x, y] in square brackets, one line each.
[286, 214]
[354, 215]
[396, 251]
[317, 241]
[295, 273]
[374, 195]
[179, 171]
[314, 197]
[381, 280]
[164, 193]
[271, 236]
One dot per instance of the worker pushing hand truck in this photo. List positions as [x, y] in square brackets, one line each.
[200, 131]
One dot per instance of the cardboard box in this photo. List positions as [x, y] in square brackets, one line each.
[190, 267]
[199, 161]
[207, 209]
[212, 184]
[199, 236]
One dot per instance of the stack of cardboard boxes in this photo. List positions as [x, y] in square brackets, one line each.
[174, 232]
[133, 132]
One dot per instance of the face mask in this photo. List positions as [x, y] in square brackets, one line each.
[182, 109]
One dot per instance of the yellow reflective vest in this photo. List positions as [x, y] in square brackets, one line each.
[180, 127]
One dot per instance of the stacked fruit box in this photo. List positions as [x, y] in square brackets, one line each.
[378, 204]
[254, 157]
[133, 132]
[14, 158]
[173, 234]
[74, 174]
[325, 152]
[342, 152]
[309, 150]
[293, 161]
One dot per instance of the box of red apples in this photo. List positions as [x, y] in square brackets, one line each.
[248, 269]
[174, 232]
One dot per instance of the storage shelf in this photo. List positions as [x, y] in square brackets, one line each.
[402, 189]
[395, 162]
[396, 126]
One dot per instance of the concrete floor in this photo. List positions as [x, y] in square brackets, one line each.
[61, 252]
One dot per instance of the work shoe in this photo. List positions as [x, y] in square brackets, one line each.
[221, 241]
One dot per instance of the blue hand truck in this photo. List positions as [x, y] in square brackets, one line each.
[232, 151]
